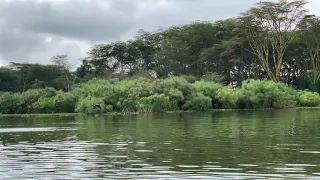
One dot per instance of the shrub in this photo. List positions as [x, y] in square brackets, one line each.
[129, 92]
[222, 96]
[84, 105]
[199, 102]
[176, 98]
[33, 95]
[61, 103]
[308, 99]
[9, 103]
[176, 88]
[227, 97]
[147, 94]
[65, 102]
[189, 78]
[213, 77]
[266, 94]
[155, 102]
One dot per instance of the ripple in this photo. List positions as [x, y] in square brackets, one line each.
[166, 149]
[289, 169]
[117, 157]
[301, 165]
[178, 149]
[13, 130]
[310, 152]
[188, 166]
[224, 169]
[247, 165]
[144, 150]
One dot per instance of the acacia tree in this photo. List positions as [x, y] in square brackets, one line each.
[24, 70]
[270, 27]
[309, 29]
[62, 62]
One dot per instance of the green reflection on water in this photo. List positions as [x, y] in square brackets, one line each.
[263, 141]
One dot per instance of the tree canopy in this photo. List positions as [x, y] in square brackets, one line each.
[278, 41]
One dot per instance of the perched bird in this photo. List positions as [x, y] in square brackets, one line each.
[96, 106]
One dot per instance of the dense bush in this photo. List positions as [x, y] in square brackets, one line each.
[31, 96]
[213, 77]
[156, 95]
[222, 96]
[308, 99]
[189, 78]
[155, 102]
[84, 105]
[199, 102]
[9, 103]
[62, 102]
[266, 94]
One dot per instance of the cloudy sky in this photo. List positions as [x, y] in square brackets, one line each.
[35, 30]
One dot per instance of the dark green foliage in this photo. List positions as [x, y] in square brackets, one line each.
[180, 68]
[9, 103]
[159, 95]
[9, 80]
[155, 102]
[189, 78]
[213, 77]
[222, 96]
[60, 103]
[199, 102]
[266, 94]
[31, 96]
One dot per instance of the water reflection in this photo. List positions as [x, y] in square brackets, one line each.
[277, 144]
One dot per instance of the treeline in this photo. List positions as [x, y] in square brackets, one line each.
[19, 77]
[156, 95]
[275, 41]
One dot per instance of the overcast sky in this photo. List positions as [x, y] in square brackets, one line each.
[33, 31]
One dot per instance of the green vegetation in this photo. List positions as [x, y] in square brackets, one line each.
[156, 95]
[271, 52]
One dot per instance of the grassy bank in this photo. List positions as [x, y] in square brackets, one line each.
[132, 113]
[146, 95]
[41, 115]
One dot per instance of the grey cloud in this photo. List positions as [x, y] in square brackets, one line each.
[56, 46]
[79, 19]
[24, 46]
[97, 20]
[24, 25]
[16, 44]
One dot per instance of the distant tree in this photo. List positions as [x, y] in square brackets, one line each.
[270, 27]
[309, 31]
[62, 62]
[9, 79]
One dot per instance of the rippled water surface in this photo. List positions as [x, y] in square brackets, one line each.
[278, 144]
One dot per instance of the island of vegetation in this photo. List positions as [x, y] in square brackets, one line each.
[267, 57]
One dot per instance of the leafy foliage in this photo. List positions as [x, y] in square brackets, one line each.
[159, 95]
[308, 99]
[183, 67]
[266, 94]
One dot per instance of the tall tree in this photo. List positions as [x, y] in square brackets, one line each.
[9, 79]
[38, 76]
[62, 62]
[270, 27]
[25, 72]
[309, 31]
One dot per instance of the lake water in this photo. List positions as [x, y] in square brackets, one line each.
[268, 144]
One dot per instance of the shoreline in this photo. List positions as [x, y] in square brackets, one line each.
[137, 113]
